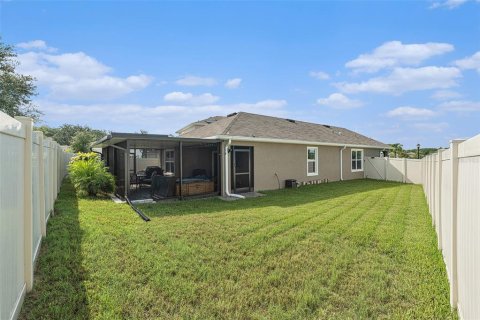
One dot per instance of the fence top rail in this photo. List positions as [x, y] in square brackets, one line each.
[470, 147]
[446, 154]
[11, 126]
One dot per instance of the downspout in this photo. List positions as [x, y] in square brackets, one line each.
[341, 162]
[227, 166]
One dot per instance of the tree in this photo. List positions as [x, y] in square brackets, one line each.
[65, 133]
[397, 149]
[81, 141]
[16, 90]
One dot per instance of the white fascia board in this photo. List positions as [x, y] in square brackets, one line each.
[287, 141]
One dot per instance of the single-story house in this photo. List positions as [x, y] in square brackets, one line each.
[238, 153]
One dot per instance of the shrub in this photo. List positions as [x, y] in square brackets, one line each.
[84, 156]
[89, 175]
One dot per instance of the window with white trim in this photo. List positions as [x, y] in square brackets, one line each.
[170, 161]
[312, 161]
[357, 160]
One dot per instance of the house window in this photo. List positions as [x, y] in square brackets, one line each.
[312, 161]
[170, 161]
[357, 160]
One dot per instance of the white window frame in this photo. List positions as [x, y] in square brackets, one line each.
[310, 174]
[351, 160]
[169, 161]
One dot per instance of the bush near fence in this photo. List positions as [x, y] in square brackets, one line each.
[451, 182]
[31, 170]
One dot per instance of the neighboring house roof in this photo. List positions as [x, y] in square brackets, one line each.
[197, 124]
[258, 127]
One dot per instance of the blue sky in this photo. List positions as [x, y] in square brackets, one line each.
[406, 71]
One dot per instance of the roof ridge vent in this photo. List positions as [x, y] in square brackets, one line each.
[327, 126]
[231, 114]
[291, 120]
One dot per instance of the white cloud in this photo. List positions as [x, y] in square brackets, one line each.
[194, 81]
[36, 45]
[164, 119]
[472, 62]
[445, 95]
[339, 101]
[450, 4]
[403, 80]
[259, 106]
[460, 106]
[188, 98]
[320, 75]
[395, 53]
[431, 126]
[407, 113]
[233, 83]
[78, 76]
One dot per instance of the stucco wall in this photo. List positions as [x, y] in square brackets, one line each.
[289, 161]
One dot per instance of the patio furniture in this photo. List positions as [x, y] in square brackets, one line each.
[162, 187]
[134, 180]
[140, 177]
[151, 171]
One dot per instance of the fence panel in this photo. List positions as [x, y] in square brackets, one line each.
[446, 214]
[468, 243]
[395, 170]
[31, 171]
[414, 171]
[36, 193]
[375, 168]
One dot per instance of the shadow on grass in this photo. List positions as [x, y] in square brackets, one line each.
[58, 291]
[282, 198]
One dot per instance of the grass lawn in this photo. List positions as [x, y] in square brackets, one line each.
[357, 249]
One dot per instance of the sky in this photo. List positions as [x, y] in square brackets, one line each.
[398, 71]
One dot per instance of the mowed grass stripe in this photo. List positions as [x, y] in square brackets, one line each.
[339, 218]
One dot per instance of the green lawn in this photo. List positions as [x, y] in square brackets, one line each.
[358, 249]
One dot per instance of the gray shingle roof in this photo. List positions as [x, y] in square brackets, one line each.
[258, 126]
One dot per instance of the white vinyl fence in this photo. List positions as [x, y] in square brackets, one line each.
[394, 169]
[31, 170]
[451, 182]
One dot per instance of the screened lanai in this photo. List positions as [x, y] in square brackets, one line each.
[150, 166]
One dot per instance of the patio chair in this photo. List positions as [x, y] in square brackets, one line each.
[134, 180]
[150, 172]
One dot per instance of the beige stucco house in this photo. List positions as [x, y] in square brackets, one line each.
[262, 152]
[233, 154]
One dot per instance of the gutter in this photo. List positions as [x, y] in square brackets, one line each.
[341, 162]
[227, 166]
[291, 141]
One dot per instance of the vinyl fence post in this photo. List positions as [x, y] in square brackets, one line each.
[41, 182]
[454, 281]
[27, 123]
[404, 170]
[439, 199]
[50, 177]
[387, 161]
